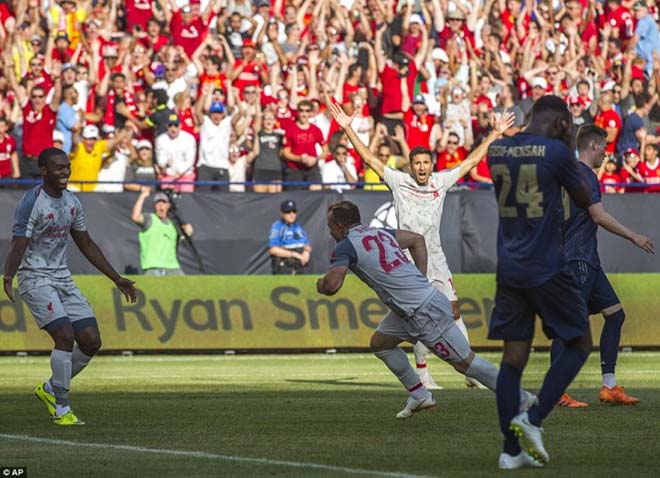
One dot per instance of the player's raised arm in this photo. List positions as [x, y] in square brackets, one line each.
[367, 156]
[416, 244]
[95, 256]
[332, 281]
[501, 125]
[601, 217]
[14, 257]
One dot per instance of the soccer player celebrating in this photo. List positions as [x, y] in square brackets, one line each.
[581, 250]
[529, 170]
[418, 311]
[418, 201]
[45, 216]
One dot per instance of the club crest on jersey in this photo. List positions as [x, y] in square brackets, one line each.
[50, 307]
[73, 211]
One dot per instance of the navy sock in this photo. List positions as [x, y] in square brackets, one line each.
[560, 375]
[508, 402]
[556, 349]
[610, 339]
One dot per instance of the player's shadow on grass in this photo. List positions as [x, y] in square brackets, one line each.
[344, 382]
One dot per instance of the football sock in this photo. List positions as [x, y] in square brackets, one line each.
[610, 338]
[484, 371]
[398, 363]
[508, 402]
[609, 380]
[78, 361]
[420, 351]
[555, 349]
[461, 325]
[559, 376]
[60, 365]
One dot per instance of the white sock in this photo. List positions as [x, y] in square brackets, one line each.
[48, 386]
[420, 393]
[398, 363]
[78, 361]
[484, 371]
[61, 410]
[461, 325]
[60, 366]
[420, 351]
[609, 380]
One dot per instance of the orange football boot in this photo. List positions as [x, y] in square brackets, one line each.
[568, 402]
[616, 396]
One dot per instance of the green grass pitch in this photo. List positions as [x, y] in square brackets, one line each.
[308, 416]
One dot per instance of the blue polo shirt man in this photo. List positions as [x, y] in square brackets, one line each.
[288, 243]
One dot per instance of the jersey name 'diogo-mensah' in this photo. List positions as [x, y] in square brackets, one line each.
[47, 222]
[419, 209]
[528, 174]
[374, 255]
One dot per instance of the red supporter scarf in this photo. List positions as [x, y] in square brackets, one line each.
[109, 118]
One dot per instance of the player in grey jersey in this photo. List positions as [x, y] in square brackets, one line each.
[418, 311]
[45, 217]
[418, 201]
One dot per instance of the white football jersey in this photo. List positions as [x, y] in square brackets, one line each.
[419, 209]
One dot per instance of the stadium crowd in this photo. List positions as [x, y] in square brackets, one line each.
[237, 90]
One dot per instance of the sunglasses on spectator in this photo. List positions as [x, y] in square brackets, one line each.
[452, 142]
[341, 153]
[234, 150]
[304, 110]
[250, 92]
[36, 96]
[291, 211]
[36, 63]
[383, 155]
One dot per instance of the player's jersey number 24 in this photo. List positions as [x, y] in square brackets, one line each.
[526, 191]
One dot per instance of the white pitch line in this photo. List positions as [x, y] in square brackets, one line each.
[213, 456]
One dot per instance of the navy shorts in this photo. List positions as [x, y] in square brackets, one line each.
[558, 302]
[596, 289]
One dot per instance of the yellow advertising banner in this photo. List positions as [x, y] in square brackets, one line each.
[283, 312]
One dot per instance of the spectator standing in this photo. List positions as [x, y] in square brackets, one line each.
[175, 154]
[141, 167]
[158, 236]
[652, 167]
[340, 169]
[289, 247]
[68, 120]
[647, 37]
[633, 130]
[633, 171]
[9, 167]
[608, 177]
[579, 113]
[267, 166]
[87, 158]
[114, 164]
[420, 125]
[303, 145]
[607, 118]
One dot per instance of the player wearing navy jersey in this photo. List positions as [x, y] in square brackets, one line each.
[45, 217]
[419, 198]
[418, 311]
[581, 250]
[529, 170]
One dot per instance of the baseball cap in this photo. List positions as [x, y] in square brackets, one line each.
[415, 18]
[456, 14]
[161, 197]
[217, 107]
[575, 100]
[639, 4]
[539, 82]
[419, 100]
[144, 143]
[173, 119]
[439, 54]
[186, 9]
[58, 136]
[401, 59]
[36, 38]
[607, 85]
[631, 151]
[62, 36]
[68, 66]
[110, 51]
[90, 132]
[248, 43]
[288, 206]
[264, 3]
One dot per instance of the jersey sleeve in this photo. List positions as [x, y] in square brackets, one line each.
[303, 236]
[344, 254]
[392, 177]
[274, 235]
[79, 216]
[570, 175]
[447, 178]
[23, 218]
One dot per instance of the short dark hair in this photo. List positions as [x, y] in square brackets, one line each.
[161, 96]
[306, 103]
[641, 100]
[589, 133]
[47, 154]
[417, 150]
[344, 213]
[114, 76]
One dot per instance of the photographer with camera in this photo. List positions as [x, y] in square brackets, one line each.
[159, 236]
[288, 243]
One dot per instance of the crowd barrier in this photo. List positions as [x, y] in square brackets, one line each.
[283, 313]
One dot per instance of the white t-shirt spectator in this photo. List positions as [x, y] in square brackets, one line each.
[114, 171]
[332, 173]
[213, 141]
[237, 174]
[176, 156]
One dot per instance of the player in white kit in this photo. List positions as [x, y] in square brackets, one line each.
[418, 202]
[45, 216]
[418, 311]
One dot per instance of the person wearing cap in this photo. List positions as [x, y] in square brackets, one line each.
[68, 119]
[579, 113]
[214, 132]
[141, 167]
[539, 88]
[159, 237]
[647, 37]
[176, 152]
[455, 28]
[188, 30]
[70, 15]
[420, 124]
[58, 139]
[39, 117]
[398, 79]
[9, 166]
[69, 73]
[288, 244]
[62, 51]
[87, 158]
[412, 31]
[607, 117]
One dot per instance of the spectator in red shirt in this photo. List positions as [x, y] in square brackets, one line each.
[303, 141]
[154, 39]
[9, 167]
[456, 29]
[608, 119]
[37, 74]
[633, 171]
[189, 30]
[39, 118]
[609, 177]
[251, 69]
[652, 168]
[620, 20]
[449, 153]
[420, 124]
[138, 12]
